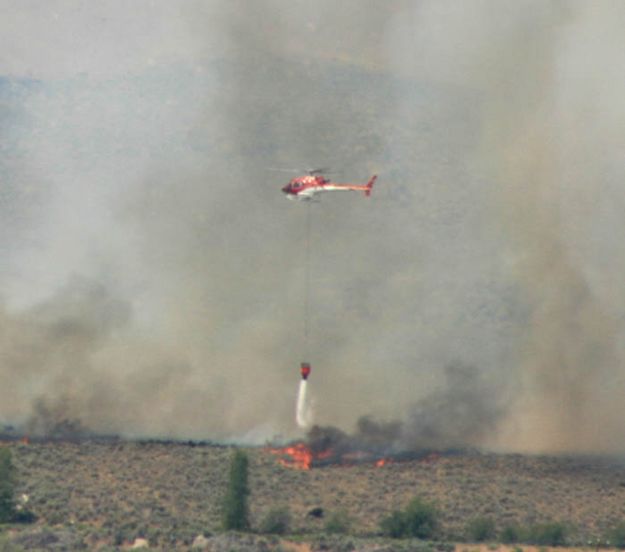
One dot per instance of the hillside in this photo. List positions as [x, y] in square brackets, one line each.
[167, 492]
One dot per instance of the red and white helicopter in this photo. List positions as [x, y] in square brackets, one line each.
[306, 187]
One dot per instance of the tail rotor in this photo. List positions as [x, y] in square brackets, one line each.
[370, 185]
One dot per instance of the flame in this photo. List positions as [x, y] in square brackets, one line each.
[299, 456]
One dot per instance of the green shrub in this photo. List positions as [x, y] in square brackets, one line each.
[616, 535]
[419, 519]
[481, 529]
[7, 486]
[394, 525]
[276, 522]
[510, 534]
[422, 519]
[547, 534]
[235, 509]
[24, 516]
[338, 523]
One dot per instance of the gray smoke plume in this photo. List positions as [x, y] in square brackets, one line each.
[460, 413]
[465, 411]
[54, 421]
[152, 275]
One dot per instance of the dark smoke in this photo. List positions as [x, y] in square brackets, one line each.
[464, 411]
[49, 353]
[54, 422]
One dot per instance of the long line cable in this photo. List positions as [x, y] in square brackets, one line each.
[307, 285]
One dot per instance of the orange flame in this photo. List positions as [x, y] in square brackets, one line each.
[299, 456]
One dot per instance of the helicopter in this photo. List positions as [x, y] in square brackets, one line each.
[304, 188]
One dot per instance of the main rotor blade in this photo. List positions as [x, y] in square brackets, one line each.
[311, 172]
[283, 169]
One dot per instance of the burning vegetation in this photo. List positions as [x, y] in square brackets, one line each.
[373, 443]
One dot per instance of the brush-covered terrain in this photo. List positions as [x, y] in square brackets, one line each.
[106, 494]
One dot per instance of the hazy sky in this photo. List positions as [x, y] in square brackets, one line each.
[152, 276]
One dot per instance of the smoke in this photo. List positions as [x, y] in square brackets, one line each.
[465, 411]
[152, 275]
[459, 413]
[548, 156]
[54, 421]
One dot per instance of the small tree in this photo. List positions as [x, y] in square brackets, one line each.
[235, 509]
[421, 519]
[7, 486]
